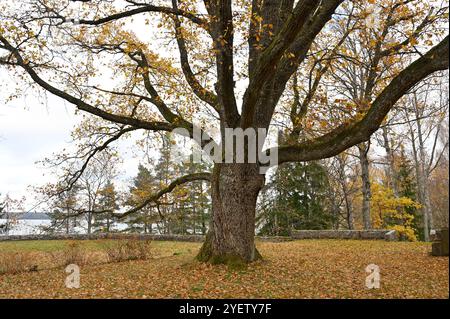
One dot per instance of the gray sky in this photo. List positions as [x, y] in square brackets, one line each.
[29, 131]
[32, 129]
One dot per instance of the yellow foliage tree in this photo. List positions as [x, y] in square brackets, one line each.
[390, 212]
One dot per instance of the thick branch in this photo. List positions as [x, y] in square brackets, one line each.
[268, 59]
[222, 32]
[268, 17]
[154, 198]
[197, 88]
[281, 58]
[143, 9]
[348, 135]
[156, 99]
[80, 104]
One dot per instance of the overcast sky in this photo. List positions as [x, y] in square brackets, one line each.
[32, 129]
[29, 131]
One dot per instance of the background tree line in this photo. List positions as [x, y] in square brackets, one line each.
[410, 151]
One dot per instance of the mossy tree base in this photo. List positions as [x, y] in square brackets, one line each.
[231, 236]
[207, 254]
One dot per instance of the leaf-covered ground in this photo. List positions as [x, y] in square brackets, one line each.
[298, 269]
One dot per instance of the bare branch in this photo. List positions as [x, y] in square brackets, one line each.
[142, 9]
[74, 177]
[154, 198]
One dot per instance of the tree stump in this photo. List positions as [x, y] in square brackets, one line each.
[440, 243]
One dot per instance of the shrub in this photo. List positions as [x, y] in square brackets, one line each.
[122, 250]
[406, 233]
[73, 253]
[17, 262]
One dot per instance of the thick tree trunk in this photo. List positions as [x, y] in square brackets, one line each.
[235, 188]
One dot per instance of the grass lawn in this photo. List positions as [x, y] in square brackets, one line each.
[298, 269]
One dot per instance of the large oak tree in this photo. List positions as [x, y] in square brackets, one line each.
[234, 62]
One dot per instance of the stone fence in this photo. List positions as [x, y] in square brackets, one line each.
[381, 234]
[388, 235]
[185, 238]
[188, 238]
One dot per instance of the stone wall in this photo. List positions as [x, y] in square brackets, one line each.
[188, 238]
[389, 235]
[297, 234]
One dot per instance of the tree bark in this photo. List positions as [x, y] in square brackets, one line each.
[366, 191]
[423, 177]
[420, 185]
[349, 208]
[391, 170]
[230, 240]
[348, 202]
[423, 199]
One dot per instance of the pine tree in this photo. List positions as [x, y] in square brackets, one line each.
[184, 211]
[408, 188]
[143, 186]
[194, 204]
[296, 199]
[108, 203]
[64, 211]
[164, 174]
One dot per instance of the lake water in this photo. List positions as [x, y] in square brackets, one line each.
[33, 227]
[26, 227]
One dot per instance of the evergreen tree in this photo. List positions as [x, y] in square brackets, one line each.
[64, 211]
[296, 199]
[164, 174]
[406, 182]
[143, 186]
[107, 204]
[193, 203]
[183, 211]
